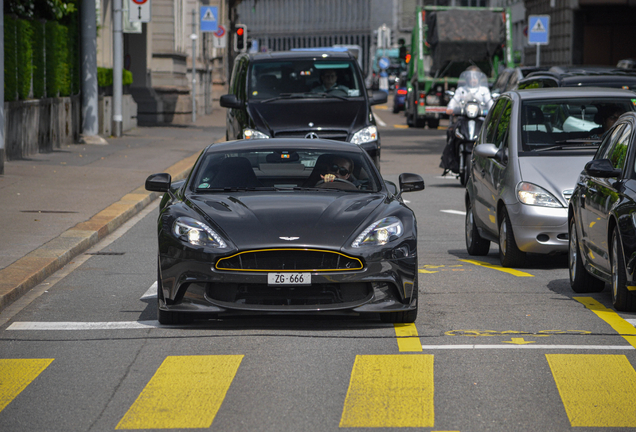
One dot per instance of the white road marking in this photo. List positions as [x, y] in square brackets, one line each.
[114, 325]
[457, 212]
[379, 120]
[447, 177]
[549, 347]
[150, 293]
[631, 321]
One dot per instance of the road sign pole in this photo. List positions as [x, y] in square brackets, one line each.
[538, 55]
[118, 60]
[194, 65]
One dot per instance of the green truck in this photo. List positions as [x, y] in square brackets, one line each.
[444, 42]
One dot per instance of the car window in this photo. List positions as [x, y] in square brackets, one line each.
[500, 85]
[303, 78]
[616, 150]
[493, 119]
[573, 122]
[285, 168]
[503, 126]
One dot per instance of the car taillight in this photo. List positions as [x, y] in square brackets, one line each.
[401, 91]
[422, 98]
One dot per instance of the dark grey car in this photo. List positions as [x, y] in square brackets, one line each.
[525, 165]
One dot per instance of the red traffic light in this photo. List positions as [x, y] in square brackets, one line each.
[240, 31]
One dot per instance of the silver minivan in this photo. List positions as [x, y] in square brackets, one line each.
[523, 170]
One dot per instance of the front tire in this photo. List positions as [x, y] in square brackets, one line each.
[622, 299]
[165, 317]
[463, 176]
[509, 253]
[476, 245]
[580, 280]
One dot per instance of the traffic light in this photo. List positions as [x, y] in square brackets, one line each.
[240, 37]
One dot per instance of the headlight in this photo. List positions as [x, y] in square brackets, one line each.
[197, 233]
[531, 194]
[365, 135]
[254, 134]
[472, 110]
[380, 233]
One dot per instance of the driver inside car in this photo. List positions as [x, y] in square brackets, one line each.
[339, 168]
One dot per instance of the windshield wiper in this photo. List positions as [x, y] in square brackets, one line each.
[561, 147]
[324, 94]
[590, 141]
[285, 96]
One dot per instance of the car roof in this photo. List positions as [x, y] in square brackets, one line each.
[273, 143]
[569, 92]
[300, 55]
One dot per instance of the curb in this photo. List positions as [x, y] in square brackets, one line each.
[30, 270]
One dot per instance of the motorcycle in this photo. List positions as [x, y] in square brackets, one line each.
[461, 137]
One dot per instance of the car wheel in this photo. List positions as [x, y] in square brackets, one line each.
[433, 123]
[580, 280]
[404, 317]
[622, 299]
[509, 253]
[395, 109]
[409, 119]
[475, 244]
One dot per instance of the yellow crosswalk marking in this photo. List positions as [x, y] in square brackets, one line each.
[185, 392]
[511, 271]
[596, 390]
[408, 340]
[390, 391]
[16, 375]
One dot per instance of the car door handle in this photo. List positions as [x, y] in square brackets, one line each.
[593, 190]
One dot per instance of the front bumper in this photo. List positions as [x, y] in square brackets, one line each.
[386, 285]
[541, 230]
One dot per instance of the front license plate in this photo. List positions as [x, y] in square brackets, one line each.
[288, 278]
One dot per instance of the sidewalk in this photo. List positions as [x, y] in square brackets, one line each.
[54, 206]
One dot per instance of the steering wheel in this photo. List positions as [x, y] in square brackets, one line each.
[345, 183]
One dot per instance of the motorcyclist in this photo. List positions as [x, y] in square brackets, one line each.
[472, 86]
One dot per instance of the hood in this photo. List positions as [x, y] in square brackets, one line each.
[296, 115]
[553, 173]
[257, 220]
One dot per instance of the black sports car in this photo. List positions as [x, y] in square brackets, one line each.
[285, 226]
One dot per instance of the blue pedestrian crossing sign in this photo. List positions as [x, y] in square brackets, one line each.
[209, 18]
[539, 29]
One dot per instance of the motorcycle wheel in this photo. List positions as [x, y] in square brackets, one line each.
[463, 176]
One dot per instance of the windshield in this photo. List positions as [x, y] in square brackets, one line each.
[285, 168]
[555, 124]
[304, 78]
[472, 79]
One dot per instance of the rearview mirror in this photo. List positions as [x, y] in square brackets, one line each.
[158, 182]
[411, 182]
[602, 168]
[230, 101]
[378, 97]
[486, 150]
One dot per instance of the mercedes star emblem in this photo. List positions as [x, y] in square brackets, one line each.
[311, 135]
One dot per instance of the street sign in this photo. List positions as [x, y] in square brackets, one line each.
[209, 18]
[384, 62]
[539, 29]
[220, 38]
[139, 11]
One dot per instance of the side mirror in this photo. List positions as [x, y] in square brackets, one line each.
[378, 97]
[230, 101]
[411, 183]
[602, 168]
[158, 182]
[486, 150]
[450, 93]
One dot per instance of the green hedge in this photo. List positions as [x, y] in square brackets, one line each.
[10, 59]
[42, 58]
[105, 77]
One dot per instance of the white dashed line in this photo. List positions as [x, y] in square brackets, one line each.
[113, 325]
[457, 212]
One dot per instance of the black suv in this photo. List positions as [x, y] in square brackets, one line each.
[282, 95]
[580, 76]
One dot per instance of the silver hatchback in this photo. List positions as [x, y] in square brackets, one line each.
[531, 150]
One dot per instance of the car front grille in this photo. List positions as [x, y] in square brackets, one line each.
[331, 134]
[291, 259]
[264, 296]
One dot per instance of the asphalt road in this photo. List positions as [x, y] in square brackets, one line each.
[492, 350]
